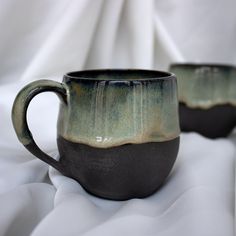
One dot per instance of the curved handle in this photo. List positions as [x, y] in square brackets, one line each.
[19, 119]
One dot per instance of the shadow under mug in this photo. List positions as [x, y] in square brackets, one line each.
[207, 96]
[118, 130]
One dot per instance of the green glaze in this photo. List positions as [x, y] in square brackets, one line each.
[205, 86]
[106, 108]
[114, 109]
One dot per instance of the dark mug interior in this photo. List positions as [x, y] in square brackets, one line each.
[209, 105]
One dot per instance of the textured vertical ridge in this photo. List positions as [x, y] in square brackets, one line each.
[134, 107]
[141, 111]
[99, 110]
[92, 108]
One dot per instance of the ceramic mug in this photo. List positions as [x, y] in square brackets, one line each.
[118, 130]
[207, 95]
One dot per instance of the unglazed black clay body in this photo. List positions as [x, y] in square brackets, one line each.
[122, 172]
[217, 121]
[117, 129]
[207, 95]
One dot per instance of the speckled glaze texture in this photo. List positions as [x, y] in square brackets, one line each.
[118, 130]
[204, 86]
[119, 108]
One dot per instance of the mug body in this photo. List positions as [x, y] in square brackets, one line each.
[207, 98]
[118, 133]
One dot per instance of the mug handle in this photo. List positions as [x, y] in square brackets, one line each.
[19, 112]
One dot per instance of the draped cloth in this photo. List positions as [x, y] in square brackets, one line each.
[45, 39]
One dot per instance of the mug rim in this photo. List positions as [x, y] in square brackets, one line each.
[94, 74]
[199, 65]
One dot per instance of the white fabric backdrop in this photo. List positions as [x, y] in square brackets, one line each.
[45, 39]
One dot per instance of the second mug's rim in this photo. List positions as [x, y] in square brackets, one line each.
[93, 74]
[201, 64]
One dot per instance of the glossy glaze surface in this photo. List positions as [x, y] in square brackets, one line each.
[112, 108]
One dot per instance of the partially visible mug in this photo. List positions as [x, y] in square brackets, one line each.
[118, 130]
[207, 95]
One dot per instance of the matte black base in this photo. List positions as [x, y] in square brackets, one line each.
[214, 122]
[119, 173]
